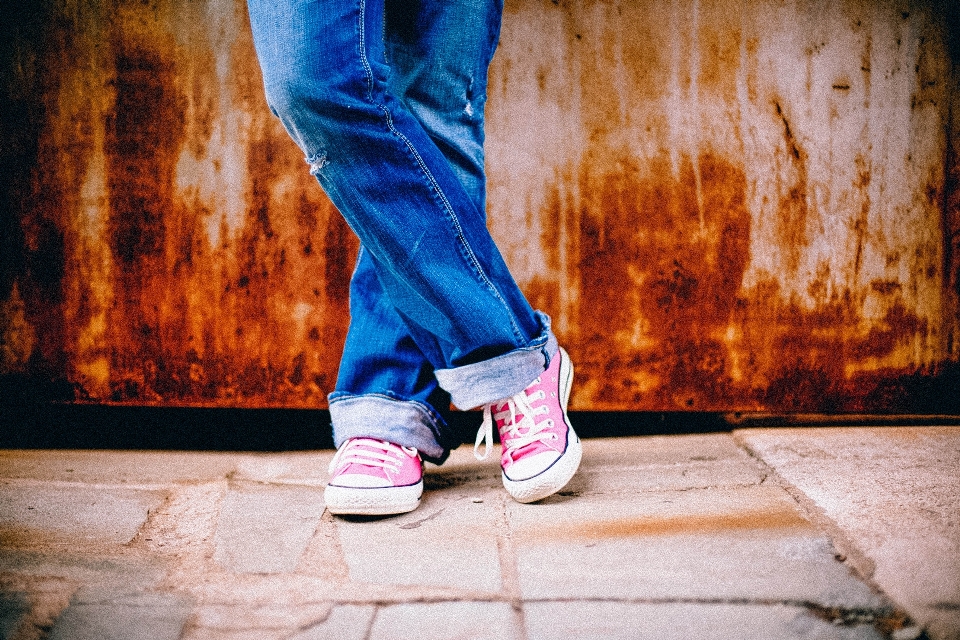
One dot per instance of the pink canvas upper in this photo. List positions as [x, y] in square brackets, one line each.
[532, 423]
[370, 463]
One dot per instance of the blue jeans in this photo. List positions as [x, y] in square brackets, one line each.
[385, 98]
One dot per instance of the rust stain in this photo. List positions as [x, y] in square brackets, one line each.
[657, 295]
[646, 234]
[663, 321]
[32, 245]
[802, 355]
[247, 312]
[705, 524]
[143, 136]
[793, 209]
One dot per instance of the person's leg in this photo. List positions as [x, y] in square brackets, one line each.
[326, 77]
[439, 52]
[386, 387]
[442, 81]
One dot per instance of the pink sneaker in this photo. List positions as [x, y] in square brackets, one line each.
[541, 452]
[374, 478]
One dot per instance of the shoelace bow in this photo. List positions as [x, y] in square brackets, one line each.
[355, 453]
[514, 435]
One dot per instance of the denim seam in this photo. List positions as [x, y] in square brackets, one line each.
[451, 214]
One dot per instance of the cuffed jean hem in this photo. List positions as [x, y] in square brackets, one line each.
[481, 383]
[384, 417]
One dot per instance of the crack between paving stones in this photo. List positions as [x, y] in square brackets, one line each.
[418, 523]
[890, 617]
[369, 632]
[644, 491]
[857, 560]
[509, 573]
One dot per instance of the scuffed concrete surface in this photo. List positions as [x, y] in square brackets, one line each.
[892, 495]
[671, 536]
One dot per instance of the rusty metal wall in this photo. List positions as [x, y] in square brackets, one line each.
[726, 205]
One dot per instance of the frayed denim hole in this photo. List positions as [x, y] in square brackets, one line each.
[317, 162]
[468, 96]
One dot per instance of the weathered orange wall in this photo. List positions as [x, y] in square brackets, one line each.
[725, 205]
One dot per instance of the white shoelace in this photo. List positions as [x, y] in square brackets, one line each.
[353, 453]
[512, 438]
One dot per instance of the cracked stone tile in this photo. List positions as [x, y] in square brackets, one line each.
[681, 621]
[35, 514]
[265, 528]
[147, 615]
[446, 621]
[734, 543]
[449, 541]
[889, 493]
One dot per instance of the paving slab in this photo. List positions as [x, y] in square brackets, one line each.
[266, 528]
[747, 543]
[114, 573]
[681, 621]
[304, 468]
[345, 622]
[156, 616]
[14, 607]
[136, 468]
[893, 494]
[288, 616]
[663, 450]
[447, 621]
[32, 514]
[449, 541]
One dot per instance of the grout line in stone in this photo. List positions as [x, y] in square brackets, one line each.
[509, 572]
[369, 632]
[103, 486]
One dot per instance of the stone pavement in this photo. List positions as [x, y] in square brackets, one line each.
[768, 533]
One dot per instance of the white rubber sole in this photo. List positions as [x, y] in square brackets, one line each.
[555, 477]
[386, 501]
